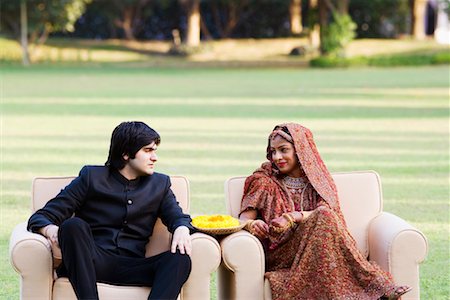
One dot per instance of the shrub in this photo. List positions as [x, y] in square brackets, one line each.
[441, 58]
[338, 34]
[333, 61]
[401, 60]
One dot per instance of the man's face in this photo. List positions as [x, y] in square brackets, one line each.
[144, 161]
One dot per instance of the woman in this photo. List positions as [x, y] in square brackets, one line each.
[291, 205]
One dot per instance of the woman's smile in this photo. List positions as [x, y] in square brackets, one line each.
[281, 165]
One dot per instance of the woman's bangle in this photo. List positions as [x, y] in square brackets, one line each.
[249, 226]
[289, 218]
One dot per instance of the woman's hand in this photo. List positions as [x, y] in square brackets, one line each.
[259, 228]
[280, 222]
[292, 217]
[181, 240]
[305, 214]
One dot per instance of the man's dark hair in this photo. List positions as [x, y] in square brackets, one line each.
[127, 139]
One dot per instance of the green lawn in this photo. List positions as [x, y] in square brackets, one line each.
[214, 124]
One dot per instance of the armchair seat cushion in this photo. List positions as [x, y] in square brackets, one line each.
[62, 290]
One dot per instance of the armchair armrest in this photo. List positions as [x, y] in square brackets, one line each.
[398, 248]
[30, 255]
[241, 275]
[205, 259]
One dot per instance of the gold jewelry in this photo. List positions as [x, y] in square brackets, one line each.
[291, 223]
[281, 133]
[249, 226]
[279, 229]
[289, 218]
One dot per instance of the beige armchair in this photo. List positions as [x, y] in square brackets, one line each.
[31, 254]
[383, 237]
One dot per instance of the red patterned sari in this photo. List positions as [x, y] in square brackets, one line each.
[317, 258]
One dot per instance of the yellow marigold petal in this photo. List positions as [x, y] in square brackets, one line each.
[215, 221]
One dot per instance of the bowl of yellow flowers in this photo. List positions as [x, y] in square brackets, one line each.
[217, 224]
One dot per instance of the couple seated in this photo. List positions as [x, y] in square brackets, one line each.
[290, 203]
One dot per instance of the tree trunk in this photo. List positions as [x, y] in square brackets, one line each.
[314, 32]
[323, 21]
[295, 17]
[342, 7]
[419, 9]
[43, 37]
[127, 24]
[24, 33]
[193, 24]
[233, 19]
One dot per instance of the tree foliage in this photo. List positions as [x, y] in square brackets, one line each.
[338, 34]
[129, 16]
[246, 18]
[219, 19]
[381, 18]
[44, 17]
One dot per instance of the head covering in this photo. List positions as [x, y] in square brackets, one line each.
[310, 160]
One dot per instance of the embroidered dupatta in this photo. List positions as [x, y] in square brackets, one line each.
[265, 183]
[317, 258]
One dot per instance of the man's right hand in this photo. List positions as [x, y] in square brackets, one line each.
[51, 233]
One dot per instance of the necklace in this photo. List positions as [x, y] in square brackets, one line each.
[296, 188]
[295, 183]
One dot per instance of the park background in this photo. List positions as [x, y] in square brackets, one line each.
[369, 78]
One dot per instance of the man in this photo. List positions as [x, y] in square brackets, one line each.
[114, 209]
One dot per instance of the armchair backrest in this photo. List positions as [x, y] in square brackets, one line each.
[360, 198]
[46, 188]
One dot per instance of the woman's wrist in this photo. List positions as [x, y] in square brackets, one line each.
[249, 225]
[290, 219]
[297, 215]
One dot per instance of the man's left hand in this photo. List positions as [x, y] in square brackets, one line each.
[182, 240]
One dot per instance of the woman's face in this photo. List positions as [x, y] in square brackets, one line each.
[284, 157]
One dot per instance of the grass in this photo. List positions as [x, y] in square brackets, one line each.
[214, 124]
[404, 59]
[219, 53]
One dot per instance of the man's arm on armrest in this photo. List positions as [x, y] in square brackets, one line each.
[29, 250]
[31, 257]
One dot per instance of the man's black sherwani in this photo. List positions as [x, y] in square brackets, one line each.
[120, 212]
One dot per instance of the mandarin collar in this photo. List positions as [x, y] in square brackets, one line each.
[132, 183]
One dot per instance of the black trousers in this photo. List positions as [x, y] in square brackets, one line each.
[84, 263]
